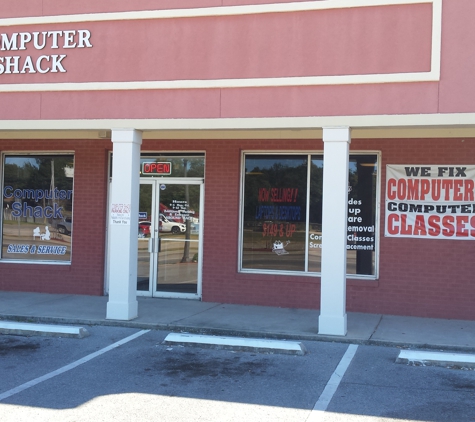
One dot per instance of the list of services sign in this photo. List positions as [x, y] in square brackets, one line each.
[432, 202]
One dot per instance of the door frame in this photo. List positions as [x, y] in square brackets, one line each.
[155, 234]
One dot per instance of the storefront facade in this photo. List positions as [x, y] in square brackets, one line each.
[300, 154]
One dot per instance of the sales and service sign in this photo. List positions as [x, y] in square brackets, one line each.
[430, 201]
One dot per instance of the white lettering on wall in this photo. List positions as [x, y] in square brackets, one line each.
[9, 44]
[13, 64]
[43, 64]
[84, 36]
[36, 42]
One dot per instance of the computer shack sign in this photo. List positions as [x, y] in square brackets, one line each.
[12, 61]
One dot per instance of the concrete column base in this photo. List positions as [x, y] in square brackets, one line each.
[123, 311]
[332, 325]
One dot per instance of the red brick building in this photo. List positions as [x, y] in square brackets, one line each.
[299, 154]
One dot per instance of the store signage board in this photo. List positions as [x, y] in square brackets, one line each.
[430, 201]
[15, 63]
[156, 168]
[36, 52]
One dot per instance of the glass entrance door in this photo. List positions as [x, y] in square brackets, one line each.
[169, 244]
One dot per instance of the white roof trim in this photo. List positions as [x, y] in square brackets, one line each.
[209, 11]
[435, 120]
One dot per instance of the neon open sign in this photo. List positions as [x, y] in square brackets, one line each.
[156, 168]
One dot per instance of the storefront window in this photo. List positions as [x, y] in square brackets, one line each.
[275, 226]
[315, 221]
[37, 222]
[361, 223]
[275, 212]
[361, 230]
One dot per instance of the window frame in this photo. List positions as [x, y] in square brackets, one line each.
[33, 154]
[306, 272]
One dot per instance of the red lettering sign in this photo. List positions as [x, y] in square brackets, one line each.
[153, 168]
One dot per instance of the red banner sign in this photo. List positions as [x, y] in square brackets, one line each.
[432, 202]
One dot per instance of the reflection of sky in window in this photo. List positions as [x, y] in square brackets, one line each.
[352, 164]
[21, 161]
[317, 162]
[268, 163]
[362, 161]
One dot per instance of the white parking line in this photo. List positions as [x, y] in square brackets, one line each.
[72, 365]
[332, 385]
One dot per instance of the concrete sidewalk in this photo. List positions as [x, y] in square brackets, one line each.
[240, 320]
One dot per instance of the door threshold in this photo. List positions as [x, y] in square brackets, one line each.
[178, 296]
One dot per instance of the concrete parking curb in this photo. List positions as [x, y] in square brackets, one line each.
[457, 360]
[32, 329]
[236, 343]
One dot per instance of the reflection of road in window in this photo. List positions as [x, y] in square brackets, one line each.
[56, 235]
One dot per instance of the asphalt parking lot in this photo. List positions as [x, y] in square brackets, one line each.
[94, 378]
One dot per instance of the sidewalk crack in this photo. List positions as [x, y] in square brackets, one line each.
[376, 328]
[197, 313]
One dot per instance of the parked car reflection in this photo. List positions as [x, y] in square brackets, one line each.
[64, 226]
[170, 226]
[144, 228]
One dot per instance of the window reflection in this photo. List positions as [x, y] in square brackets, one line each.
[275, 204]
[275, 213]
[37, 207]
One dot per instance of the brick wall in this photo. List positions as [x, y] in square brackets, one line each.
[420, 277]
[221, 280]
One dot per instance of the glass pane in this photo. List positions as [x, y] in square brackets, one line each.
[275, 190]
[361, 238]
[361, 243]
[315, 230]
[178, 264]
[144, 233]
[37, 207]
[179, 238]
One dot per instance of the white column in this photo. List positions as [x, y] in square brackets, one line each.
[332, 320]
[123, 220]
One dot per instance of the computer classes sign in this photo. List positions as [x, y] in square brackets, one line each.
[430, 201]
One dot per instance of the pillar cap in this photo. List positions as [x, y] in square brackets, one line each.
[126, 135]
[337, 134]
